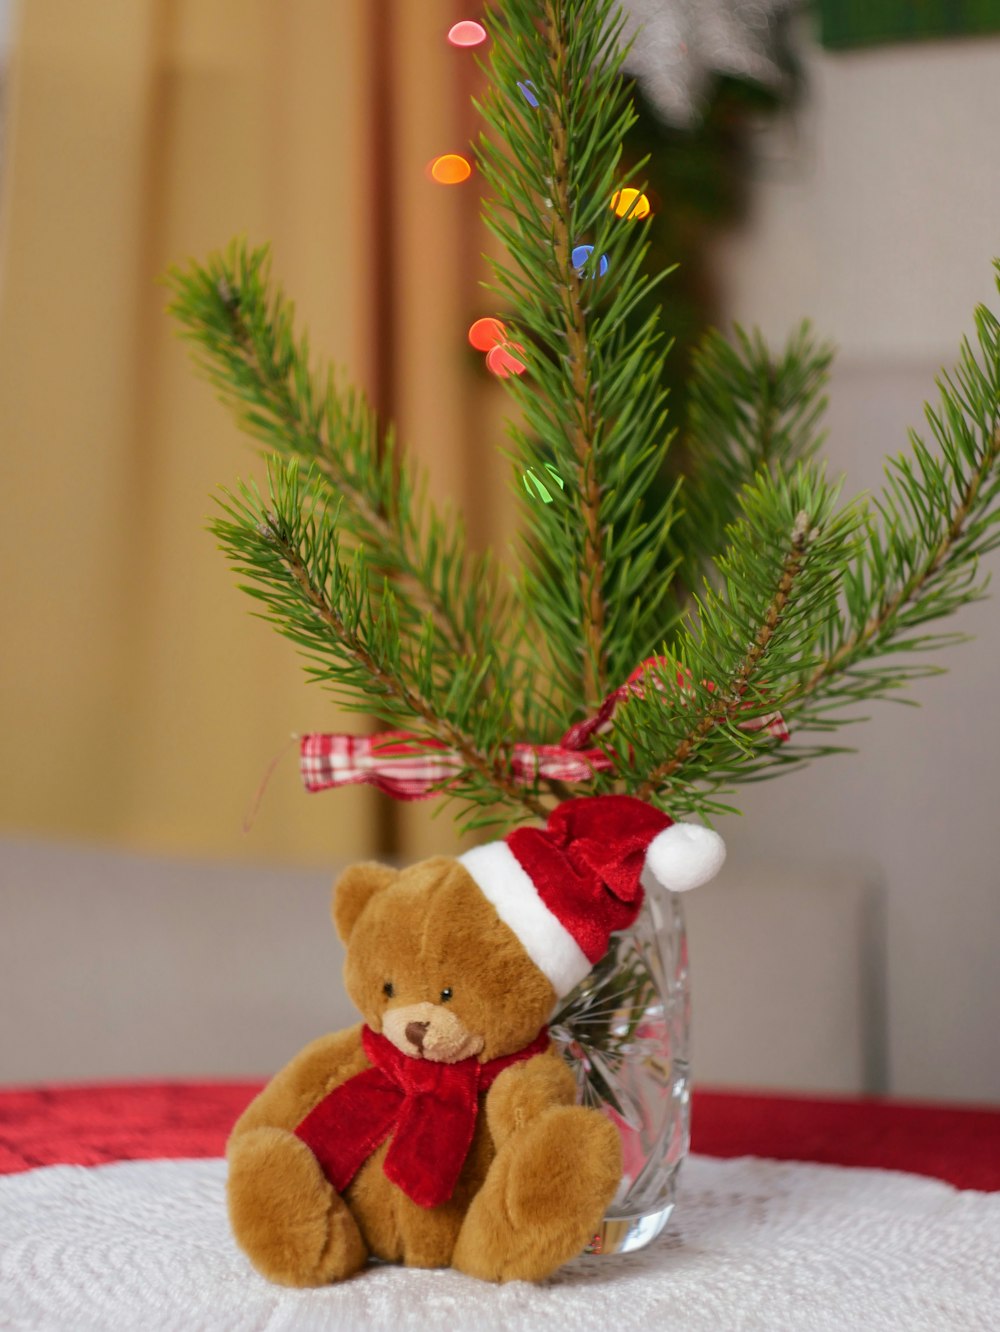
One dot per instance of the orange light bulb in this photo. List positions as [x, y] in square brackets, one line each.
[502, 361]
[450, 169]
[486, 333]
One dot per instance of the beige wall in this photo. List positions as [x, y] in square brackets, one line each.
[878, 214]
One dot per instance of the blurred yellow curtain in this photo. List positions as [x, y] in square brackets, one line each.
[141, 702]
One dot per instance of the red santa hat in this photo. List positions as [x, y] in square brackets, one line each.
[566, 888]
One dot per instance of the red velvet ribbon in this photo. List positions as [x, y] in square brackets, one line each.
[429, 1108]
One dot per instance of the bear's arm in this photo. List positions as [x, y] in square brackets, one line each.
[290, 1095]
[523, 1091]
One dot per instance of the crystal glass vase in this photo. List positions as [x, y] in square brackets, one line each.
[625, 1033]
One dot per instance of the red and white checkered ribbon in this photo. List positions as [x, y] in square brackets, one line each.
[410, 767]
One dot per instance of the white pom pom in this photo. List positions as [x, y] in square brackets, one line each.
[684, 856]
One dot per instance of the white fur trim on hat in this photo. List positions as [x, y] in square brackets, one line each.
[683, 856]
[504, 882]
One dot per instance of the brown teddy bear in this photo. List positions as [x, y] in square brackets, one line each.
[444, 1130]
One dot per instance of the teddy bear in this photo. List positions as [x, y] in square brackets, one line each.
[443, 1129]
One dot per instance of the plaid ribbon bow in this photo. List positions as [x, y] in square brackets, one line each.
[410, 767]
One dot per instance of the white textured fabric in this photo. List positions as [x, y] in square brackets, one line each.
[506, 883]
[757, 1246]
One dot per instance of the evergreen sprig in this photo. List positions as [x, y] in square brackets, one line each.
[700, 725]
[321, 598]
[243, 331]
[795, 603]
[902, 560]
[938, 514]
[748, 411]
[590, 402]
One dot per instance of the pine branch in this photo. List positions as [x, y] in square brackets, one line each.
[749, 410]
[938, 515]
[243, 330]
[591, 402]
[744, 639]
[728, 701]
[323, 604]
[878, 626]
[583, 417]
[914, 560]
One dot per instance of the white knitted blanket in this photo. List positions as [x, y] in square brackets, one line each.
[755, 1245]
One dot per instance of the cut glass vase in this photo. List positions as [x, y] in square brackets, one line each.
[625, 1034]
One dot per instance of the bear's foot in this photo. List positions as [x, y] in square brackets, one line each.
[286, 1216]
[543, 1198]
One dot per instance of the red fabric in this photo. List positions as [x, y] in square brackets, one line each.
[411, 767]
[957, 1144]
[130, 1121]
[587, 861]
[91, 1125]
[429, 1108]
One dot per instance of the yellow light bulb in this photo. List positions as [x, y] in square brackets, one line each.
[631, 204]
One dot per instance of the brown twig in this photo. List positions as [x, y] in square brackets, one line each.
[583, 424]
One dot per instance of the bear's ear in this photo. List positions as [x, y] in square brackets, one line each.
[354, 889]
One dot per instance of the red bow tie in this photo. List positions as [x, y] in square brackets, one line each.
[429, 1108]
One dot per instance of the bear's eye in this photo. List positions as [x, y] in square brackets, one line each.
[387, 990]
[446, 994]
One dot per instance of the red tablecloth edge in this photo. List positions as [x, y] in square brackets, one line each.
[94, 1123]
[252, 1084]
[802, 1097]
[956, 1143]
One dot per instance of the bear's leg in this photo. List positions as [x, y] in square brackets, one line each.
[285, 1214]
[543, 1198]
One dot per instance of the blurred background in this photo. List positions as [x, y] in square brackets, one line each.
[807, 161]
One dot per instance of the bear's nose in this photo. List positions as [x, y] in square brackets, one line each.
[415, 1033]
